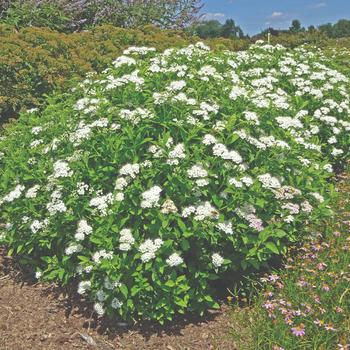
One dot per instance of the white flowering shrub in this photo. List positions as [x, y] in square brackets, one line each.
[168, 171]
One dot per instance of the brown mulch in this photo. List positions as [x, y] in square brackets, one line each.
[37, 316]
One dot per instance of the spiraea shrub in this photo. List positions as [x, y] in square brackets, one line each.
[153, 180]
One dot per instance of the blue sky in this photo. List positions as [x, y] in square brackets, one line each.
[255, 15]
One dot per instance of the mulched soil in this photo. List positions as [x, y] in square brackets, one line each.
[38, 316]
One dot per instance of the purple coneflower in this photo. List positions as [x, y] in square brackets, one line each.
[298, 331]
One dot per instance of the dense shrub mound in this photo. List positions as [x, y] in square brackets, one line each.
[168, 171]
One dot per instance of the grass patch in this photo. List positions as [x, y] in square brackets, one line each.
[305, 305]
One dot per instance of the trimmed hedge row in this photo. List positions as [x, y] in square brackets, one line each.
[36, 61]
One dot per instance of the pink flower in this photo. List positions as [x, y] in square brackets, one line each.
[269, 306]
[268, 294]
[298, 331]
[322, 310]
[279, 285]
[317, 299]
[273, 278]
[308, 309]
[321, 266]
[288, 321]
[319, 322]
[339, 310]
[325, 287]
[302, 283]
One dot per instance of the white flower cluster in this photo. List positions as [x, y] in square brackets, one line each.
[226, 227]
[220, 150]
[286, 192]
[56, 205]
[14, 194]
[82, 188]
[73, 248]
[199, 173]
[206, 108]
[124, 60]
[131, 170]
[174, 260]
[251, 116]
[32, 192]
[36, 130]
[102, 254]
[84, 229]
[248, 213]
[83, 287]
[217, 260]
[176, 85]
[112, 83]
[151, 197]
[126, 239]
[269, 181]
[61, 169]
[201, 212]
[136, 115]
[289, 123]
[177, 153]
[101, 202]
[138, 50]
[38, 225]
[87, 105]
[209, 71]
[148, 249]
[245, 180]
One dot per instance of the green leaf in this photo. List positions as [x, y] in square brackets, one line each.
[272, 246]
[124, 290]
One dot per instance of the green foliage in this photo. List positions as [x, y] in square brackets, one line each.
[68, 15]
[167, 172]
[26, 14]
[340, 29]
[296, 26]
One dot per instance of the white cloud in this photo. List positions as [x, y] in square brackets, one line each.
[319, 5]
[216, 15]
[276, 14]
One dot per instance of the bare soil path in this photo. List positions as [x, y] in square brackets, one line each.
[36, 316]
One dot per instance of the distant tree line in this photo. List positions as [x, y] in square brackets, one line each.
[340, 29]
[214, 29]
